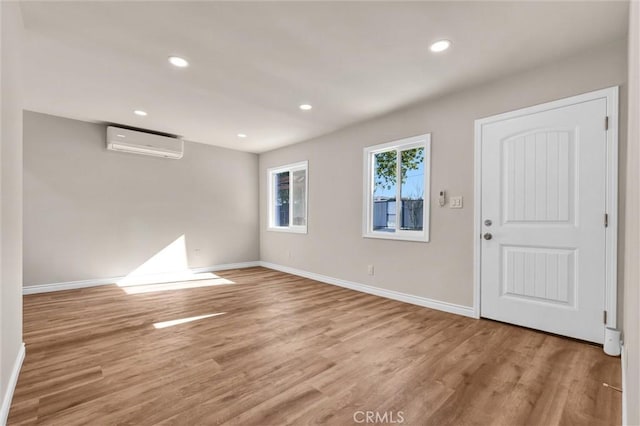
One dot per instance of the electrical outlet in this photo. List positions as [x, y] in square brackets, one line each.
[455, 202]
[370, 269]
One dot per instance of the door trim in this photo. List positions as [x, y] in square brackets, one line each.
[611, 232]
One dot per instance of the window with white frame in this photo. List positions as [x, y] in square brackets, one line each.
[288, 187]
[396, 199]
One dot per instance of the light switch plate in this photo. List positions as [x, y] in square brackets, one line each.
[455, 202]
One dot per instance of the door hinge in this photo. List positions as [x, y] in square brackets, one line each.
[604, 317]
[606, 220]
[606, 123]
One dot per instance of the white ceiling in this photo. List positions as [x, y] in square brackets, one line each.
[253, 63]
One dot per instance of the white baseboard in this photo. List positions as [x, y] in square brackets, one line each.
[389, 294]
[11, 386]
[466, 311]
[225, 266]
[69, 285]
[72, 285]
[623, 368]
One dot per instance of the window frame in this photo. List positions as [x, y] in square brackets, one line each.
[420, 141]
[271, 173]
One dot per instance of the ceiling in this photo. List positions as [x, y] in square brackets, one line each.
[254, 63]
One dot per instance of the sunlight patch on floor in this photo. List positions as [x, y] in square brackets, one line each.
[182, 285]
[171, 323]
[166, 277]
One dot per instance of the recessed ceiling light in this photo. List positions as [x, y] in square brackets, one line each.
[305, 107]
[178, 61]
[140, 112]
[440, 46]
[120, 136]
[242, 135]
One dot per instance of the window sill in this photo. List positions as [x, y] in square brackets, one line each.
[290, 229]
[399, 237]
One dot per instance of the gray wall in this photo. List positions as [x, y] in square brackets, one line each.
[443, 268]
[90, 213]
[10, 193]
[632, 259]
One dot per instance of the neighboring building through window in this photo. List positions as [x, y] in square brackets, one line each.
[288, 197]
[397, 189]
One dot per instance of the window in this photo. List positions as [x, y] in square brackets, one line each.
[288, 198]
[397, 208]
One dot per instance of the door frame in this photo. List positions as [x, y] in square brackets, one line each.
[611, 231]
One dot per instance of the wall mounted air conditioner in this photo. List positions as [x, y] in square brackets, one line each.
[137, 142]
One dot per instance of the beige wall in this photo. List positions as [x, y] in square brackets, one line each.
[90, 213]
[632, 259]
[10, 193]
[443, 268]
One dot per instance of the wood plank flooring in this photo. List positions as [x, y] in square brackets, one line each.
[288, 350]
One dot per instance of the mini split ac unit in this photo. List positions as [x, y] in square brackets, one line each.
[136, 142]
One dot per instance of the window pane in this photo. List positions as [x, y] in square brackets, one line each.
[385, 165]
[281, 202]
[299, 197]
[412, 189]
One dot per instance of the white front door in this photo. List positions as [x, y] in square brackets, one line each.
[543, 205]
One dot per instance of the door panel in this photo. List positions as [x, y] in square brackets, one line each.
[545, 275]
[538, 178]
[544, 191]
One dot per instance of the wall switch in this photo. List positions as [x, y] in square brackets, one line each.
[370, 269]
[455, 202]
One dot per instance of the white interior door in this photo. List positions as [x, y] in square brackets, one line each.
[543, 205]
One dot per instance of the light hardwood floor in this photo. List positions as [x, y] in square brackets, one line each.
[288, 350]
